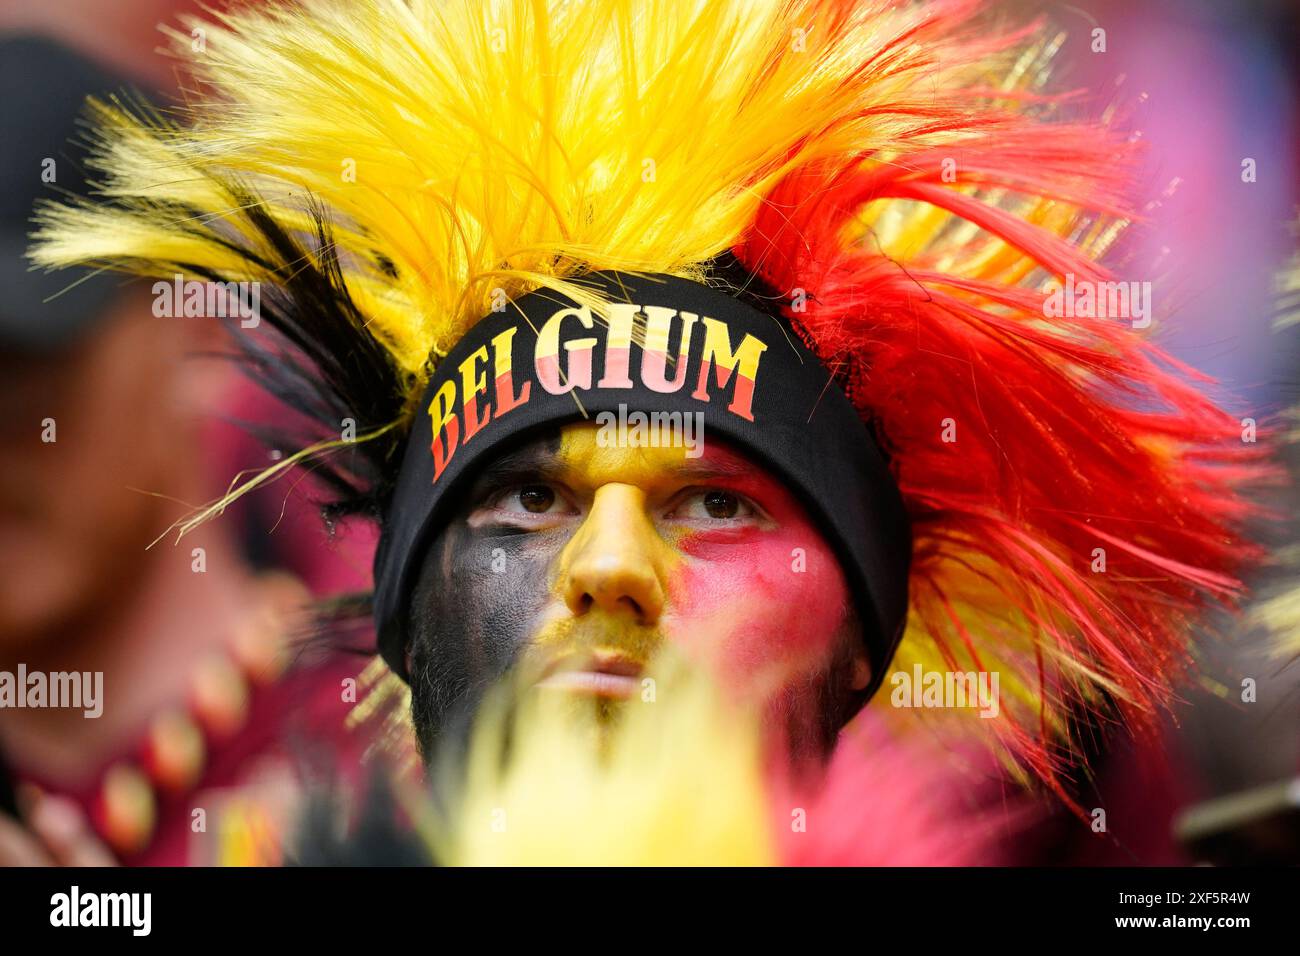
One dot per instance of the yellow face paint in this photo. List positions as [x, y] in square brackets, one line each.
[613, 574]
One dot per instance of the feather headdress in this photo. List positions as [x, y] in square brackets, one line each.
[387, 169]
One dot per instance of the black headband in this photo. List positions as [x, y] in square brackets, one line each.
[518, 371]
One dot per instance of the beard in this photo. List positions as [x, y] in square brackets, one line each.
[801, 720]
[804, 719]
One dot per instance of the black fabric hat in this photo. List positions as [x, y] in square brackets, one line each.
[43, 89]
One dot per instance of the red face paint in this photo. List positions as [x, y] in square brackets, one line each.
[764, 603]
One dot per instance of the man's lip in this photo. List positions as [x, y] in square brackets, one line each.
[600, 673]
[595, 683]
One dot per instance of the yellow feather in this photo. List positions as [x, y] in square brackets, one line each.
[489, 146]
[676, 781]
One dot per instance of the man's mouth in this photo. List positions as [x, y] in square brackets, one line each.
[598, 674]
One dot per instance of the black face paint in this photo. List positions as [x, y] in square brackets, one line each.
[478, 600]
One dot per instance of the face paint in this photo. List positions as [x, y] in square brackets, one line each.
[578, 561]
[686, 351]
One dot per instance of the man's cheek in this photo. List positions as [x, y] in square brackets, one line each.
[505, 584]
[772, 605]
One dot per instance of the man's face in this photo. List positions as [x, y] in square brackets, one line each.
[577, 562]
[82, 430]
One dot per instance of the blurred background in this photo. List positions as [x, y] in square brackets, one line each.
[148, 417]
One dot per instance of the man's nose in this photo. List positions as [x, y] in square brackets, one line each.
[615, 562]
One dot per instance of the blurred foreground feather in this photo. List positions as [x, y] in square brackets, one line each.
[681, 777]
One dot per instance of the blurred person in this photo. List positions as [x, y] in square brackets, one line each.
[187, 759]
[913, 459]
[1213, 89]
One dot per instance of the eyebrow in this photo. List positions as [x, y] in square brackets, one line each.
[725, 468]
[535, 458]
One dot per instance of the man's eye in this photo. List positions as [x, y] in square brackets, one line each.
[533, 499]
[715, 504]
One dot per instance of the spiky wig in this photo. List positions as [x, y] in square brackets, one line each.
[386, 167]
